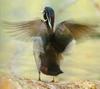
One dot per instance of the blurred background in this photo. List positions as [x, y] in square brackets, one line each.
[16, 57]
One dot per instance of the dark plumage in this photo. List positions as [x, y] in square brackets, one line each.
[54, 40]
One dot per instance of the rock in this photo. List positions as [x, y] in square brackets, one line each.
[18, 83]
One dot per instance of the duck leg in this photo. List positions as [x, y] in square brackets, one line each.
[53, 80]
[39, 76]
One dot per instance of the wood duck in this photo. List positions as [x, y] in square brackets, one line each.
[54, 40]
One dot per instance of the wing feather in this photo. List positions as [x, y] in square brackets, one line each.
[26, 29]
[76, 30]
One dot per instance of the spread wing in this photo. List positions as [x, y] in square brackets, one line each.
[25, 30]
[76, 30]
[67, 32]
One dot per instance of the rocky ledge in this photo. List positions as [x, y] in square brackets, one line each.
[18, 83]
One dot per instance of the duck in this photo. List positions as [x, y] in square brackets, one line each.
[52, 40]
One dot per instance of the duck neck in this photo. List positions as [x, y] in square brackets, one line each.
[50, 24]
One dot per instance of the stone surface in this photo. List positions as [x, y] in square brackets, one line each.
[18, 83]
